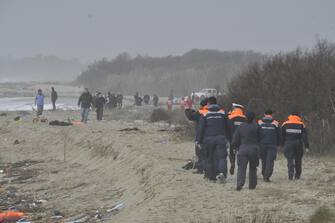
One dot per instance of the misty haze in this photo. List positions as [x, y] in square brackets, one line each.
[167, 111]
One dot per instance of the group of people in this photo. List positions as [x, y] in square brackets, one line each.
[111, 101]
[146, 99]
[98, 102]
[39, 100]
[247, 141]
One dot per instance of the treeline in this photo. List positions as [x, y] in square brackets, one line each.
[301, 81]
[194, 70]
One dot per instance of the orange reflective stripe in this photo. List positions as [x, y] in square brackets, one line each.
[203, 110]
[237, 112]
[294, 119]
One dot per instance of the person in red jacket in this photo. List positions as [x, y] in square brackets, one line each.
[294, 138]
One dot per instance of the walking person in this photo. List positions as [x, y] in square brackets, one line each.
[212, 132]
[119, 99]
[54, 97]
[169, 104]
[155, 100]
[236, 118]
[269, 142]
[39, 102]
[294, 138]
[85, 102]
[146, 99]
[246, 139]
[99, 105]
[193, 115]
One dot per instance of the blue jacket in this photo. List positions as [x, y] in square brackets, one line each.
[39, 100]
[213, 123]
[246, 134]
[270, 131]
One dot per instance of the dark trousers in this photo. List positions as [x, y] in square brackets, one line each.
[216, 156]
[53, 105]
[247, 154]
[200, 165]
[232, 155]
[268, 154]
[100, 112]
[40, 109]
[293, 152]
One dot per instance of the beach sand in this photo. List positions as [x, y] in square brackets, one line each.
[82, 171]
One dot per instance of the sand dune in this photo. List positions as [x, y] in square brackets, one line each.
[142, 169]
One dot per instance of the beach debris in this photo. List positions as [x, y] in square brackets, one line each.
[3, 114]
[189, 165]
[57, 217]
[59, 123]
[16, 142]
[10, 216]
[41, 201]
[129, 129]
[81, 219]
[116, 208]
[17, 118]
[23, 220]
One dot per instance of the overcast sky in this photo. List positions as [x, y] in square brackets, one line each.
[91, 29]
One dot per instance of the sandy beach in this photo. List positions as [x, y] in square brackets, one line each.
[83, 171]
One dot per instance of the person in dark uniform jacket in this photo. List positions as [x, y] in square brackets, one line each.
[269, 142]
[212, 134]
[194, 115]
[294, 138]
[246, 139]
[236, 118]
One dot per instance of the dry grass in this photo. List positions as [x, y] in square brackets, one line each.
[323, 215]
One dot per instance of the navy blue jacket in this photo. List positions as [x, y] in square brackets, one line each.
[213, 123]
[270, 131]
[246, 134]
[294, 130]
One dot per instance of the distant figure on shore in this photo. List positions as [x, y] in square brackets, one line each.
[146, 99]
[94, 99]
[99, 105]
[54, 97]
[169, 105]
[39, 102]
[155, 100]
[85, 101]
[138, 99]
[119, 99]
[114, 101]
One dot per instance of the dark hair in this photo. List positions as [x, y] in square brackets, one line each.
[268, 112]
[204, 102]
[250, 116]
[211, 100]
